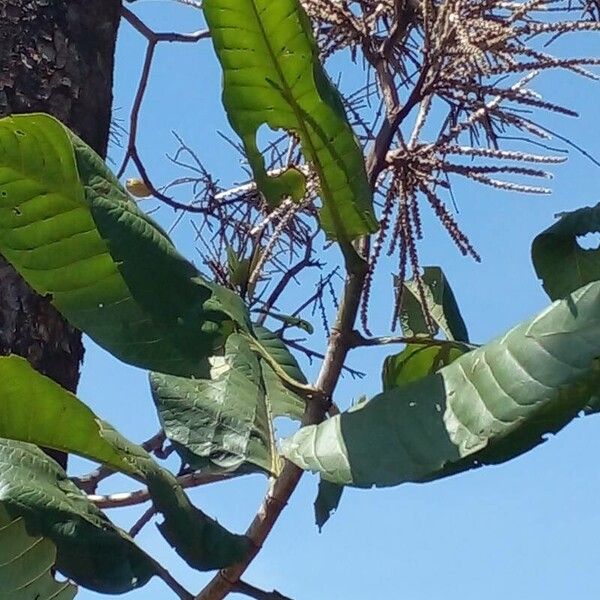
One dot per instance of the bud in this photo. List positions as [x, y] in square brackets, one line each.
[137, 188]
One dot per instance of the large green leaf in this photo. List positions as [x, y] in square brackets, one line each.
[35, 409]
[439, 304]
[25, 564]
[272, 75]
[90, 549]
[224, 423]
[488, 406]
[560, 262]
[71, 230]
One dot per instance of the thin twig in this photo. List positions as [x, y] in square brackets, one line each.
[241, 587]
[357, 340]
[131, 154]
[142, 521]
[122, 499]
[89, 482]
[172, 582]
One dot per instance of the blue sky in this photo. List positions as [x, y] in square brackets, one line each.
[526, 529]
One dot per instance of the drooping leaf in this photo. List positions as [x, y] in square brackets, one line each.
[25, 564]
[560, 262]
[221, 424]
[440, 305]
[35, 409]
[417, 361]
[73, 233]
[272, 75]
[488, 406]
[327, 501]
[89, 548]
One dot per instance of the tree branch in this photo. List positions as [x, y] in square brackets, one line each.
[357, 340]
[132, 154]
[241, 587]
[122, 499]
[89, 483]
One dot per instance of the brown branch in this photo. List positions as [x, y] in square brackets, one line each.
[338, 346]
[310, 353]
[122, 499]
[142, 521]
[131, 153]
[241, 587]
[89, 482]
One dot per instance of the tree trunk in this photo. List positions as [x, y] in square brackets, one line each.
[56, 56]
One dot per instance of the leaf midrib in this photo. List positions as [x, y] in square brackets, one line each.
[298, 113]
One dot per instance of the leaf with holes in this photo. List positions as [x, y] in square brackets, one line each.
[73, 233]
[272, 75]
[488, 406]
[26, 562]
[560, 262]
[35, 409]
[221, 424]
[225, 423]
[438, 306]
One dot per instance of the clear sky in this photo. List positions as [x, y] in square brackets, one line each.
[526, 529]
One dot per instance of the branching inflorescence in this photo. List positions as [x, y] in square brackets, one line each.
[460, 71]
[447, 95]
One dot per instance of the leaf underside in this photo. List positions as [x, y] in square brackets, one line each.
[90, 549]
[488, 406]
[560, 262]
[272, 75]
[225, 423]
[222, 424]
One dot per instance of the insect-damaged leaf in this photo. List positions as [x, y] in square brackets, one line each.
[488, 406]
[272, 75]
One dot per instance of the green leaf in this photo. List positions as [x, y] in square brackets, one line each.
[222, 424]
[284, 402]
[272, 75]
[25, 564]
[327, 501]
[279, 352]
[35, 409]
[225, 423]
[488, 406]
[560, 262]
[290, 321]
[90, 549]
[440, 304]
[417, 361]
[73, 233]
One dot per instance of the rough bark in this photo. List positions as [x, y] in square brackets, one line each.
[56, 56]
